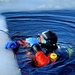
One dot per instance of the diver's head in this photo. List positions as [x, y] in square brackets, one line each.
[48, 39]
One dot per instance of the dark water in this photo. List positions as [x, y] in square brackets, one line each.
[62, 22]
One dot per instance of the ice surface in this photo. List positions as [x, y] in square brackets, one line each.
[8, 64]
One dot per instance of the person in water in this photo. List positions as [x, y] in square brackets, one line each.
[46, 40]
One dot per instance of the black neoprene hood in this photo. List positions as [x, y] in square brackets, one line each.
[50, 36]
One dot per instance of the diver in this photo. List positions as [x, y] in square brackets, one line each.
[46, 40]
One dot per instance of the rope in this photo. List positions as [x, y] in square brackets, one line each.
[5, 32]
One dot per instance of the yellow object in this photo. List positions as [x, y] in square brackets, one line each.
[53, 56]
[28, 53]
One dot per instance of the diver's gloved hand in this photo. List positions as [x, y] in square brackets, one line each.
[12, 45]
[32, 41]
